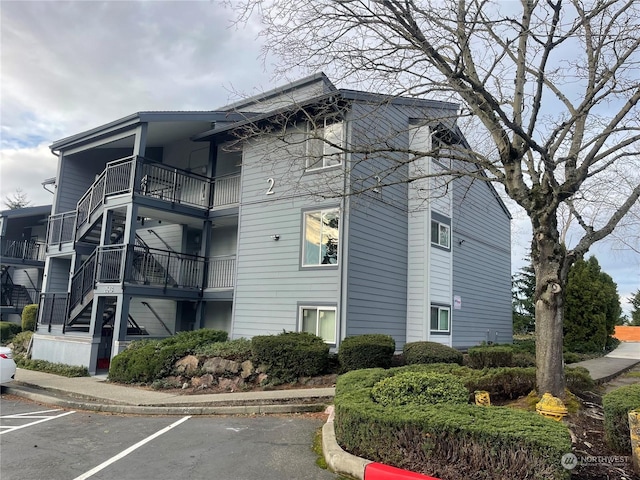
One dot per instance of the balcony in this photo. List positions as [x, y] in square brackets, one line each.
[61, 229]
[23, 251]
[222, 272]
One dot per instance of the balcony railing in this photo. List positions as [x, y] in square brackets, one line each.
[222, 271]
[53, 309]
[61, 228]
[22, 249]
[226, 191]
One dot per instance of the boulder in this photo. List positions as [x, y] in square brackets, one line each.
[218, 366]
[205, 381]
[186, 364]
[247, 369]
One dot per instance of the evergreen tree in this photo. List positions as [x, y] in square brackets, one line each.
[635, 313]
[523, 292]
[592, 307]
[16, 200]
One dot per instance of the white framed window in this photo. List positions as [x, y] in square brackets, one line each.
[321, 232]
[440, 234]
[325, 143]
[440, 319]
[320, 321]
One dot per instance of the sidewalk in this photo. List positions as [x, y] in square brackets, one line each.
[95, 393]
[603, 369]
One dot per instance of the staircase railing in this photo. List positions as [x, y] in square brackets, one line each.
[61, 228]
[53, 309]
[83, 281]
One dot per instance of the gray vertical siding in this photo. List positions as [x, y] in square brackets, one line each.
[481, 265]
[270, 283]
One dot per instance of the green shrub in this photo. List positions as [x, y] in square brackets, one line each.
[503, 383]
[50, 367]
[491, 356]
[571, 357]
[21, 342]
[148, 360]
[486, 442]
[373, 350]
[524, 346]
[414, 388]
[617, 405]
[290, 355]
[523, 359]
[8, 330]
[237, 350]
[430, 352]
[29, 317]
[578, 379]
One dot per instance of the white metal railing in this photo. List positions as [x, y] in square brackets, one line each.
[222, 271]
[175, 185]
[23, 249]
[226, 191]
[61, 228]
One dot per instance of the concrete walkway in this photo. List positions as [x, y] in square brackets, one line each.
[603, 369]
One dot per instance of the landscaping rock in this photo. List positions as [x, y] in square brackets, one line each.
[247, 369]
[186, 364]
[205, 381]
[217, 366]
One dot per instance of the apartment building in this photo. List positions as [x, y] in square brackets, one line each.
[22, 255]
[303, 208]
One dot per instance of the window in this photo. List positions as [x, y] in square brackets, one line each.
[325, 144]
[320, 321]
[440, 234]
[321, 233]
[440, 319]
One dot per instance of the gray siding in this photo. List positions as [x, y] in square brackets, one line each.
[378, 229]
[77, 172]
[143, 316]
[270, 282]
[57, 276]
[481, 266]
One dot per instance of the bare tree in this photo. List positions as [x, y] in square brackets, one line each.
[16, 200]
[552, 87]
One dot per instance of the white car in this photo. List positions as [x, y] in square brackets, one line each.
[7, 365]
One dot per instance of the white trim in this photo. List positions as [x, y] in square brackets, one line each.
[304, 238]
[311, 137]
[440, 308]
[318, 308]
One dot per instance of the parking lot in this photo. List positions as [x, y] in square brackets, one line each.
[44, 443]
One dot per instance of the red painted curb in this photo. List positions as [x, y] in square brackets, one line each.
[378, 471]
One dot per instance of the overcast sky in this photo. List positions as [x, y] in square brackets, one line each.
[71, 66]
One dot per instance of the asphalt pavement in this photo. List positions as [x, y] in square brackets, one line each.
[95, 393]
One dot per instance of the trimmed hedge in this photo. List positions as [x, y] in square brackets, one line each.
[237, 350]
[491, 356]
[430, 352]
[29, 317]
[8, 330]
[447, 441]
[617, 405]
[373, 350]
[420, 388]
[61, 369]
[290, 355]
[147, 360]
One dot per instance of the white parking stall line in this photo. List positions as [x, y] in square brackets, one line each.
[132, 448]
[42, 419]
[31, 414]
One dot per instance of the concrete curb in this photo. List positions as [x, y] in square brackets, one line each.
[96, 406]
[337, 459]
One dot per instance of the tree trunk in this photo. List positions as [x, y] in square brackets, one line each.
[548, 257]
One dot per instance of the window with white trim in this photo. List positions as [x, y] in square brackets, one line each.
[320, 238]
[320, 321]
[440, 234]
[440, 319]
[325, 143]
